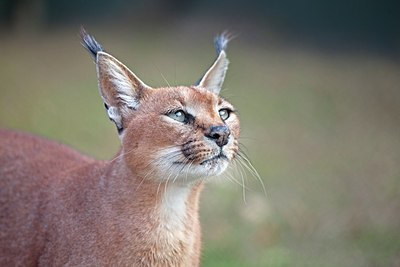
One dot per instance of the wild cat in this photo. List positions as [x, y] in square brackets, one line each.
[61, 208]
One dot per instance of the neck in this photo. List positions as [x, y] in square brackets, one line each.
[163, 216]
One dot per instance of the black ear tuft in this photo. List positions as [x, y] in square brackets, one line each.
[221, 42]
[90, 43]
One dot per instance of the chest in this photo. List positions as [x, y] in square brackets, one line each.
[173, 239]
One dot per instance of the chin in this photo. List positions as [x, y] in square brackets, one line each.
[188, 173]
[206, 170]
[214, 166]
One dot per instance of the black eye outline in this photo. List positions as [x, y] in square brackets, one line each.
[178, 115]
[224, 113]
[181, 116]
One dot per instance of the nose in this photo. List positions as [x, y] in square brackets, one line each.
[219, 134]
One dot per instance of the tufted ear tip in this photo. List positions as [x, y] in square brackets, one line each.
[215, 75]
[90, 43]
[120, 89]
[221, 41]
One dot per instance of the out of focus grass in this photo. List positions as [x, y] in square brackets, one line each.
[322, 129]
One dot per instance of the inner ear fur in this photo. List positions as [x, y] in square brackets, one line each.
[215, 75]
[119, 87]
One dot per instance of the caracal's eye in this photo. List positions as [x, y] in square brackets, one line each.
[178, 115]
[224, 113]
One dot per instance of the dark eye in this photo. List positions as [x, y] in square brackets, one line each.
[178, 115]
[224, 113]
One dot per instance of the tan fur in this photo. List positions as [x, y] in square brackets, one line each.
[61, 208]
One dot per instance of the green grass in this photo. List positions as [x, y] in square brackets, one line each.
[322, 129]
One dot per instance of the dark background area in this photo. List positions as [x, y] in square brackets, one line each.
[347, 24]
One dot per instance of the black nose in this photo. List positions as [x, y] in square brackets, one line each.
[219, 134]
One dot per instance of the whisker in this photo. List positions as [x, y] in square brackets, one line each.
[162, 75]
[166, 184]
[188, 166]
[143, 179]
[175, 82]
[121, 155]
[245, 162]
[240, 170]
[231, 178]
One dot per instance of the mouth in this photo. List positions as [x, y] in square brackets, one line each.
[212, 166]
[215, 159]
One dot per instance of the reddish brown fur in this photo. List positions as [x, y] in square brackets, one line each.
[58, 211]
[58, 207]
[61, 208]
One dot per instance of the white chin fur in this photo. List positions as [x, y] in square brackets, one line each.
[208, 169]
[186, 173]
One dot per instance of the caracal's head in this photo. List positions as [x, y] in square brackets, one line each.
[181, 133]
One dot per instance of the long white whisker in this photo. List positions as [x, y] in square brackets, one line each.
[240, 169]
[162, 75]
[188, 165]
[121, 155]
[233, 177]
[166, 185]
[249, 166]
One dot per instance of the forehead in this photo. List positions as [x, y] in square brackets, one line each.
[199, 98]
[192, 98]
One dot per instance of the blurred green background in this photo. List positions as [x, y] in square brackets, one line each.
[317, 85]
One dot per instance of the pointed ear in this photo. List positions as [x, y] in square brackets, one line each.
[119, 87]
[215, 75]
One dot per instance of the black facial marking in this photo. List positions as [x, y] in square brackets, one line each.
[200, 126]
[120, 130]
[192, 148]
[189, 119]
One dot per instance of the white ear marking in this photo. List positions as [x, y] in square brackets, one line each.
[119, 87]
[214, 77]
[122, 84]
[115, 116]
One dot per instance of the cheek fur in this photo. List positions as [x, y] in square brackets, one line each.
[171, 148]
